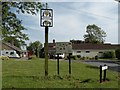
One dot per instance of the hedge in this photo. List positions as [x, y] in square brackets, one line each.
[4, 57]
[117, 52]
[109, 54]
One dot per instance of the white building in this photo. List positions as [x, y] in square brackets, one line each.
[92, 50]
[86, 49]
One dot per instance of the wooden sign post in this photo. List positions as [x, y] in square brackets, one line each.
[70, 63]
[46, 20]
[100, 74]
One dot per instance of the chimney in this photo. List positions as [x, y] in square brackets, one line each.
[53, 40]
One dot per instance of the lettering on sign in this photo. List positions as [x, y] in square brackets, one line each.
[63, 47]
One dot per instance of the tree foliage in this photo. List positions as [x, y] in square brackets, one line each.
[35, 47]
[117, 52]
[109, 54]
[12, 26]
[94, 34]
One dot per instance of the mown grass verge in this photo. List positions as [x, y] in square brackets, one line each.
[30, 74]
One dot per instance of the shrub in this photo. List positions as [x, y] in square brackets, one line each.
[33, 57]
[79, 56]
[83, 58]
[74, 57]
[117, 52]
[87, 58]
[92, 58]
[109, 54]
[96, 57]
[4, 57]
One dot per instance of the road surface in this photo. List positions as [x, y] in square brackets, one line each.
[111, 65]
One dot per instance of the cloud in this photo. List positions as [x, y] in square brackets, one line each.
[31, 23]
[66, 27]
[71, 19]
[101, 14]
[76, 0]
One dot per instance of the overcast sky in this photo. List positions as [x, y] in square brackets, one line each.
[71, 19]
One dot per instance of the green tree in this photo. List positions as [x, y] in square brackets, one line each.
[35, 47]
[109, 54]
[12, 26]
[117, 52]
[94, 34]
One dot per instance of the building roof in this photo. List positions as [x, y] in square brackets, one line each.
[11, 46]
[84, 46]
[87, 46]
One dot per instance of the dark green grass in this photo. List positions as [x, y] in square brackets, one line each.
[30, 74]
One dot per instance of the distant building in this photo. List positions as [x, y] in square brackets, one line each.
[92, 50]
[24, 51]
[86, 49]
[8, 46]
[51, 48]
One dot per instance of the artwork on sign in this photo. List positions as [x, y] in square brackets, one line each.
[63, 47]
[46, 17]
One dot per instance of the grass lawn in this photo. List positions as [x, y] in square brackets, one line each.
[30, 74]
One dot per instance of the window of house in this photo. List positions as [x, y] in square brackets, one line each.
[78, 51]
[87, 51]
[60, 48]
[11, 53]
[6, 52]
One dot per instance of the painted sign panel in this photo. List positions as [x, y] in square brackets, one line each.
[63, 47]
[104, 67]
[46, 17]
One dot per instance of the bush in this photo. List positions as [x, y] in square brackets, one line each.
[4, 57]
[92, 58]
[117, 52]
[79, 56]
[74, 57]
[96, 57]
[32, 57]
[87, 58]
[109, 54]
[83, 58]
